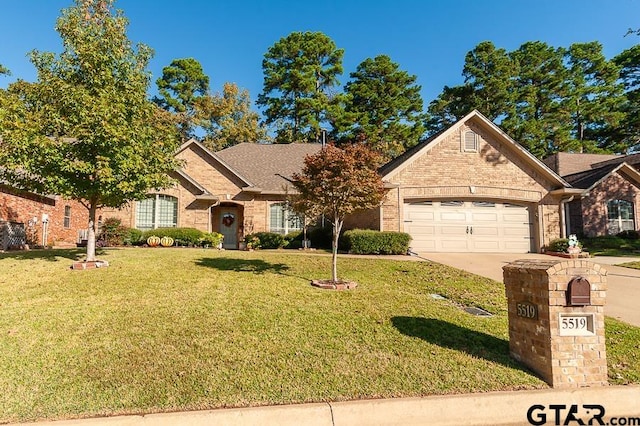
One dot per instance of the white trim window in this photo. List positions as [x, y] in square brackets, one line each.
[157, 211]
[282, 220]
[620, 216]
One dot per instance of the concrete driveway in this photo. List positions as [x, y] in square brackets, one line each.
[623, 295]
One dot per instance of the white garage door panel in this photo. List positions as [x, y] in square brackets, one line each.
[468, 227]
[484, 217]
[453, 230]
[453, 216]
[421, 215]
[481, 231]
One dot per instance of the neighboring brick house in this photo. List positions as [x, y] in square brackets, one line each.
[609, 198]
[469, 188]
[23, 212]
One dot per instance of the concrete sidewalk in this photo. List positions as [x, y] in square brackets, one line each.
[494, 408]
[623, 294]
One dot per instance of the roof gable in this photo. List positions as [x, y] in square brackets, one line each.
[203, 150]
[589, 179]
[396, 165]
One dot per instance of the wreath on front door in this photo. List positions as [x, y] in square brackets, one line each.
[228, 219]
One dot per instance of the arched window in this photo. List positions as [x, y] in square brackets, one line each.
[157, 211]
[620, 215]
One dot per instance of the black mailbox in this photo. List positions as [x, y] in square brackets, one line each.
[579, 292]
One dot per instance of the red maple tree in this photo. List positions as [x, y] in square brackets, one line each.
[336, 182]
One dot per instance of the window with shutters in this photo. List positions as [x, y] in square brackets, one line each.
[470, 141]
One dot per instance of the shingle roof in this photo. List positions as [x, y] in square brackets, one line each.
[586, 178]
[267, 165]
[567, 163]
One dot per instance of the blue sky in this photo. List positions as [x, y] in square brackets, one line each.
[427, 38]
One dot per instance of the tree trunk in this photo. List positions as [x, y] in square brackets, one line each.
[91, 236]
[337, 226]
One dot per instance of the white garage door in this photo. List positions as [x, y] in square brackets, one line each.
[468, 226]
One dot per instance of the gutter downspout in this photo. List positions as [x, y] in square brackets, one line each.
[563, 216]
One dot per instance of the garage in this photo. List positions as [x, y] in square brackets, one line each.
[468, 226]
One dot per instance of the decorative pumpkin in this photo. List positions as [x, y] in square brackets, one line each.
[153, 241]
[166, 241]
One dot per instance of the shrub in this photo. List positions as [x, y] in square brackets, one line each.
[559, 245]
[293, 240]
[320, 237]
[182, 236]
[252, 241]
[270, 240]
[112, 233]
[629, 235]
[211, 239]
[133, 237]
[364, 241]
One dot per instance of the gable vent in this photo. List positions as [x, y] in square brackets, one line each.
[470, 141]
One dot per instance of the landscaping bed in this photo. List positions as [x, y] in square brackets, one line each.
[171, 330]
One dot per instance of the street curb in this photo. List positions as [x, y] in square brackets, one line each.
[479, 409]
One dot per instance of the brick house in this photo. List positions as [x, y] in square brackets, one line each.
[468, 188]
[236, 191]
[471, 188]
[609, 197]
[39, 219]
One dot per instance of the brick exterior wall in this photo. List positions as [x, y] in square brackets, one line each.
[594, 206]
[253, 210]
[563, 361]
[21, 206]
[493, 172]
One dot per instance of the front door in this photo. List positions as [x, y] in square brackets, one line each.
[229, 227]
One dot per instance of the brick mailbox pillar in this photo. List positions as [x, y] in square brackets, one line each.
[556, 320]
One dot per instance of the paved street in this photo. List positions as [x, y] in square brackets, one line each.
[623, 295]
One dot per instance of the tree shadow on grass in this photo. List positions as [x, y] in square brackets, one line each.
[257, 266]
[51, 255]
[452, 336]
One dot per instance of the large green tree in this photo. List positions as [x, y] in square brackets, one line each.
[594, 95]
[182, 86]
[227, 118]
[450, 106]
[488, 87]
[85, 129]
[626, 136]
[490, 71]
[538, 121]
[384, 107]
[300, 73]
[549, 99]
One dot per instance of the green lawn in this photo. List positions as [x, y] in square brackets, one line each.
[611, 245]
[182, 329]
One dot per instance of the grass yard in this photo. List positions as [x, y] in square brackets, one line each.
[183, 329]
[611, 245]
